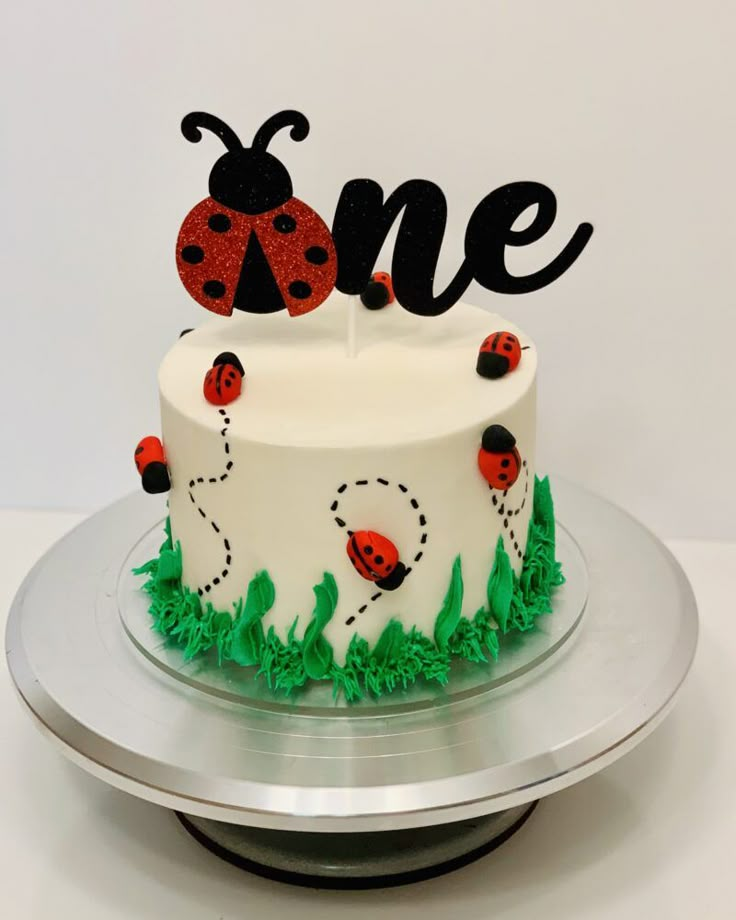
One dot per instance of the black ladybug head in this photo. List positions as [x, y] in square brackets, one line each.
[248, 179]
[498, 440]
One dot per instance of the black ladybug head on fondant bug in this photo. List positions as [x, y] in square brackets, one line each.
[251, 245]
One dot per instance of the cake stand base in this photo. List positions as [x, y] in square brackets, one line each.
[411, 777]
[379, 859]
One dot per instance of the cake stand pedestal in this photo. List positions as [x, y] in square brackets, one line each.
[382, 792]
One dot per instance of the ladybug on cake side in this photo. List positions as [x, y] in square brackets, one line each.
[251, 245]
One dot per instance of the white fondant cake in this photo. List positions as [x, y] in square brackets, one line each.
[321, 444]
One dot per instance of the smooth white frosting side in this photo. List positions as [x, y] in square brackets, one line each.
[409, 408]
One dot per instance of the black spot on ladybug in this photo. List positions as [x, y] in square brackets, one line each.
[505, 462]
[503, 477]
[193, 255]
[300, 289]
[368, 550]
[378, 560]
[228, 383]
[214, 289]
[284, 223]
[219, 223]
[508, 347]
[139, 450]
[317, 255]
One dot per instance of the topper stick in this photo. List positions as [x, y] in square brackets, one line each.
[352, 326]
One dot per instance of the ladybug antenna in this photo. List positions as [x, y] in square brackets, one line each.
[299, 129]
[191, 124]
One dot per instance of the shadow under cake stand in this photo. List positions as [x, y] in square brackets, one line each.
[320, 792]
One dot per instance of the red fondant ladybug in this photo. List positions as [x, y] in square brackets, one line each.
[499, 354]
[252, 246]
[498, 458]
[150, 462]
[379, 291]
[376, 559]
[223, 382]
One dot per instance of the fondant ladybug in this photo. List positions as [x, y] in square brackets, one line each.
[499, 354]
[223, 382]
[150, 460]
[379, 291]
[498, 458]
[376, 559]
[252, 246]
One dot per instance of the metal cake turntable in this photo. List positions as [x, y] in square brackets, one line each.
[381, 792]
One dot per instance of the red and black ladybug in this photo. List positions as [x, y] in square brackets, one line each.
[251, 245]
[499, 354]
[376, 559]
[498, 458]
[150, 460]
[223, 382]
[379, 291]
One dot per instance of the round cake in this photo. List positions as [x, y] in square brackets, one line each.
[376, 495]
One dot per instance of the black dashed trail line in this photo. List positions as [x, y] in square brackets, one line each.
[507, 513]
[200, 480]
[413, 505]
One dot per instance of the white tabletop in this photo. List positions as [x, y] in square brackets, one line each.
[653, 835]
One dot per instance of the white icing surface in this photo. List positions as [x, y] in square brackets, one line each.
[412, 377]
[409, 408]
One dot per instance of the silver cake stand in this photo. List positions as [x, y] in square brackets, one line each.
[382, 792]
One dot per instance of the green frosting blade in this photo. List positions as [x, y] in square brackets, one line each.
[248, 637]
[318, 653]
[449, 616]
[501, 587]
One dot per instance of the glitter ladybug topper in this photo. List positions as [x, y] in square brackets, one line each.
[251, 245]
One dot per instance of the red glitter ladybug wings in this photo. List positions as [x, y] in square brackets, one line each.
[251, 245]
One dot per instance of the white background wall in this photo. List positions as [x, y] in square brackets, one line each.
[626, 109]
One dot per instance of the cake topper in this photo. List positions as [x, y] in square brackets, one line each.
[252, 246]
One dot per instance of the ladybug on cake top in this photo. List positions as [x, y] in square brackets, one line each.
[252, 245]
[500, 353]
[223, 382]
[379, 292]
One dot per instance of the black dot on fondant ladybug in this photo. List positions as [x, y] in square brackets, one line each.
[138, 450]
[214, 289]
[508, 347]
[284, 223]
[228, 383]
[368, 550]
[503, 477]
[193, 255]
[300, 289]
[317, 255]
[505, 462]
[378, 560]
[219, 223]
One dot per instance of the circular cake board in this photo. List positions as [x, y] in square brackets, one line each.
[465, 761]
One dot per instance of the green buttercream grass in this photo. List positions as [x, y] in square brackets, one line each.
[399, 657]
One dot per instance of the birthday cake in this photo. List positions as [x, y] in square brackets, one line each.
[351, 489]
